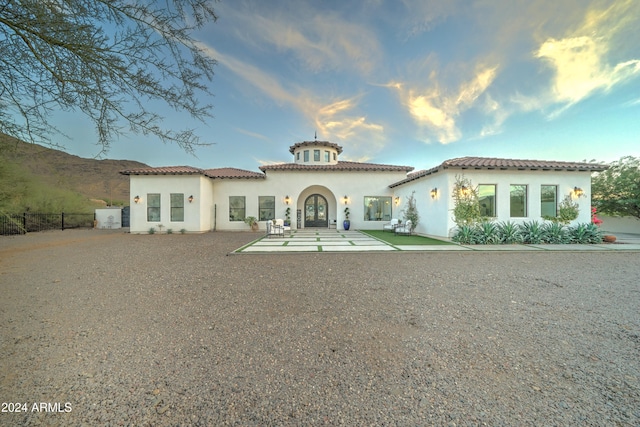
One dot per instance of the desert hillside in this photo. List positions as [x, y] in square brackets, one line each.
[92, 178]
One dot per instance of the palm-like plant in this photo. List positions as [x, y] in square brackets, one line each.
[509, 232]
[532, 232]
[555, 233]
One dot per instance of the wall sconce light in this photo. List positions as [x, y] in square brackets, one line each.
[578, 192]
[345, 199]
[464, 190]
[434, 192]
[397, 200]
[136, 199]
[287, 200]
[190, 199]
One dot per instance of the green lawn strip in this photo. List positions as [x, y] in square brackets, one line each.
[396, 240]
[249, 244]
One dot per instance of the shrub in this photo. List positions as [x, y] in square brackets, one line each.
[152, 230]
[411, 212]
[169, 231]
[532, 232]
[555, 233]
[466, 234]
[585, 233]
[594, 234]
[579, 234]
[487, 233]
[467, 207]
[567, 211]
[509, 232]
[183, 230]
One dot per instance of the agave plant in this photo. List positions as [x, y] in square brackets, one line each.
[532, 232]
[466, 234]
[556, 233]
[594, 234]
[579, 234]
[487, 233]
[509, 232]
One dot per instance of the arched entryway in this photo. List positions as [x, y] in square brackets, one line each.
[316, 210]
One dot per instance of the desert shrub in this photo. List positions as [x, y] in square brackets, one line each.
[585, 233]
[466, 234]
[466, 209]
[568, 210]
[509, 232]
[487, 233]
[555, 233]
[152, 230]
[532, 232]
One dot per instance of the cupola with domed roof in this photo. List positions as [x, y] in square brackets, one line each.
[315, 152]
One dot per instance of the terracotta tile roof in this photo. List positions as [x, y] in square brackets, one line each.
[188, 170]
[492, 163]
[164, 170]
[340, 166]
[226, 173]
[315, 144]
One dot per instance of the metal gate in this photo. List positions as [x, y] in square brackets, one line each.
[125, 216]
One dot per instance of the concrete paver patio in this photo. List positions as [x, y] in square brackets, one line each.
[324, 240]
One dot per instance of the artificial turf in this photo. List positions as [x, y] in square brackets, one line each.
[396, 240]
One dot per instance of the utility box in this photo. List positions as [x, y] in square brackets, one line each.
[108, 218]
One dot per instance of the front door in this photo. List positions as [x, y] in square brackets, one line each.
[315, 211]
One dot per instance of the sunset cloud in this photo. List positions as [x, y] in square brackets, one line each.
[581, 62]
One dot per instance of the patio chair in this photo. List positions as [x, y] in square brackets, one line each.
[391, 226]
[404, 229]
[274, 229]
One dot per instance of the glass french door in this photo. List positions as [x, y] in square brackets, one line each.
[315, 211]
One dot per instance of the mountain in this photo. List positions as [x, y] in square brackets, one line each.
[92, 178]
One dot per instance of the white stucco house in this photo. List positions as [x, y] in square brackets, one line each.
[316, 187]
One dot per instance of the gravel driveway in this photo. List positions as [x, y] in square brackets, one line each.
[107, 328]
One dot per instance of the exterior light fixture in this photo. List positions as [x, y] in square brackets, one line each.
[190, 199]
[434, 192]
[464, 190]
[578, 192]
[287, 199]
[345, 199]
[397, 200]
[136, 199]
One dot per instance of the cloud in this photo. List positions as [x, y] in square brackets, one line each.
[437, 109]
[335, 120]
[319, 41]
[580, 61]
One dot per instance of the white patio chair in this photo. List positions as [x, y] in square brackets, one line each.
[404, 228]
[391, 226]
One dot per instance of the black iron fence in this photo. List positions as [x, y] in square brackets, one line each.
[29, 222]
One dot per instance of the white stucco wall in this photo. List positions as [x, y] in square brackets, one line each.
[108, 218]
[437, 214]
[298, 185]
[196, 214]
[625, 224]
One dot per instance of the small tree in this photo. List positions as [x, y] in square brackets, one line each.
[567, 212]
[410, 212]
[111, 60]
[616, 191]
[467, 206]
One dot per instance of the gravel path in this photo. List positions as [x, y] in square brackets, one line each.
[170, 330]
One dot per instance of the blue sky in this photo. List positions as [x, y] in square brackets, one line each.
[411, 82]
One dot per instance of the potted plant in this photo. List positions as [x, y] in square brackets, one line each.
[287, 217]
[252, 222]
[346, 222]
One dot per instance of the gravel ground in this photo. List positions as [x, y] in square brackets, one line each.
[170, 330]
